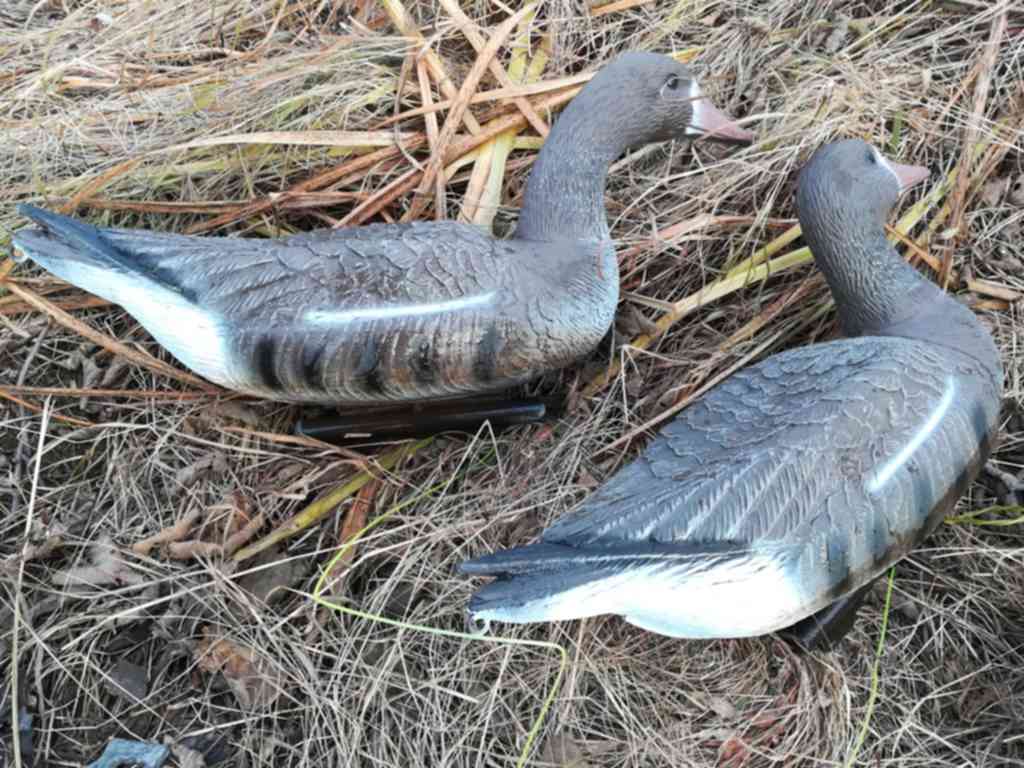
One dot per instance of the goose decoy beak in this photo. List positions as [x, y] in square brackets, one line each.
[909, 175]
[710, 122]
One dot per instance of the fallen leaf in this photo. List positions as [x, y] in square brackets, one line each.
[1016, 196]
[994, 190]
[271, 574]
[211, 464]
[105, 567]
[251, 676]
[127, 681]
[561, 749]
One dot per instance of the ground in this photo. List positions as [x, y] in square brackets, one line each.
[174, 115]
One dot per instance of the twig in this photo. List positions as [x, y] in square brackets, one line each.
[36, 409]
[469, 30]
[431, 122]
[469, 85]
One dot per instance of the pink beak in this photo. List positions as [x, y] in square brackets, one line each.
[909, 175]
[715, 124]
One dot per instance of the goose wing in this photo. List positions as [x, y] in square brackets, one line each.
[853, 442]
[359, 268]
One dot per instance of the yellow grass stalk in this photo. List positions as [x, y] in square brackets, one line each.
[407, 26]
[322, 507]
[469, 85]
[484, 192]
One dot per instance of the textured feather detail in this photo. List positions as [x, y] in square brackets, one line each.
[386, 312]
[796, 481]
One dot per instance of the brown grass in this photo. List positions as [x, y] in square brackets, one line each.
[262, 118]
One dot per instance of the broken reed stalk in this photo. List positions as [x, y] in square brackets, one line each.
[483, 194]
[426, 97]
[322, 507]
[471, 33]
[451, 123]
[401, 19]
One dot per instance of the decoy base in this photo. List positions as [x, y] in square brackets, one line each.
[821, 631]
[427, 419]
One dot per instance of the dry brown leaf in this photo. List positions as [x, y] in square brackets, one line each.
[212, 464]
[250, 675]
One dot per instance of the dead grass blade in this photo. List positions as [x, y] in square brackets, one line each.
[351, 140]
[322, 507]
[986, 63]
[470, 31]
[37, 409]
[451, 123]
[619, 5]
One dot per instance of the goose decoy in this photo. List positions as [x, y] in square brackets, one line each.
[391, 313]
[772, 501]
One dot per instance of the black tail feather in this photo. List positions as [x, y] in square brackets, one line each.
[78, 235]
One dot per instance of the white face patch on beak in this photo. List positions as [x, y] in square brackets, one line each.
[697, 102]
[885, 164]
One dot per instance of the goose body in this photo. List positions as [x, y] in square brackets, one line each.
[798, 480]
[401, 312]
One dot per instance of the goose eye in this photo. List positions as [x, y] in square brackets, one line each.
[872, 159]
[672, 83]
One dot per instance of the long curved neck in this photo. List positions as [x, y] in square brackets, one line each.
[564, 197]
[871, 284]
[877, 293]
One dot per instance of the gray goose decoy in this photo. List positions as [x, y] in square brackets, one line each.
[399, 312]
[781, 494]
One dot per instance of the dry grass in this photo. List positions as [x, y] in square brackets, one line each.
[95, 95]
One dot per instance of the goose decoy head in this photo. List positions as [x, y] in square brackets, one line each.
[659, 99]
[851, 178]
